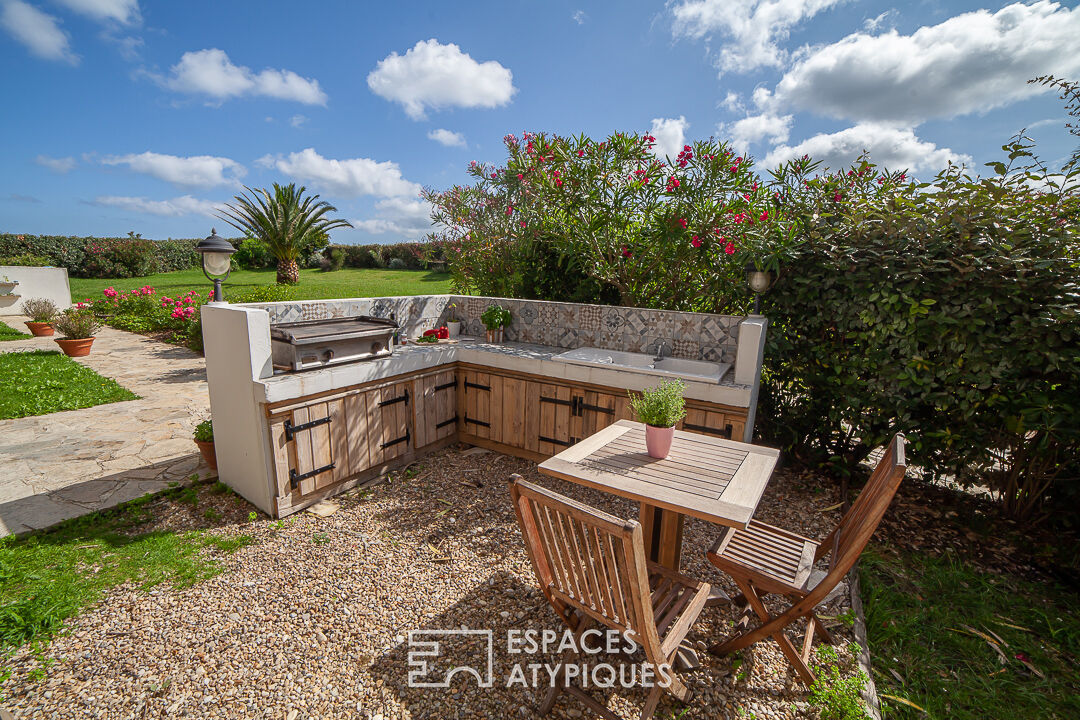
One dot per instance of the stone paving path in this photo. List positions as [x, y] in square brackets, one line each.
[62, 465]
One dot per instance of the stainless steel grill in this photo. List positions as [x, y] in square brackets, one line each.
[312, 344]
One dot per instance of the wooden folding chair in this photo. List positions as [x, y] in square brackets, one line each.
[764, 560]
[592, 567]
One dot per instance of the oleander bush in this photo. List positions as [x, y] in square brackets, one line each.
[946, 309]
[26, 260]
[252, 254]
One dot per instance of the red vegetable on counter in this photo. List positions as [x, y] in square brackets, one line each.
[443, 333]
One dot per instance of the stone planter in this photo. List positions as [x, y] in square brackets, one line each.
[206, 447]
[39, 329]
[74, 347]
[495, 336]
[658, 441]
[453, 328]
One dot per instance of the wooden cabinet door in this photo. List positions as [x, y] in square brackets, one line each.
[508, 410]
[550, 415]
[436, 407]
[592, 411]
[390, 407]
[311, 433]
[477, 403]
[710, 422]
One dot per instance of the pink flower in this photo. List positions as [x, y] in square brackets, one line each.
[110, 292]
[695, 242]
[626, 252]
[509, 209]
[764, 216]
[581, 153]
[520, 176]
[837, 197]
[523, 223]
[729, 248]
[682, 222]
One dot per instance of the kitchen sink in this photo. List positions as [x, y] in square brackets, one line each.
[696, 370]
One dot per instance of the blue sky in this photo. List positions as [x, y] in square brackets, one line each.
[128, 115]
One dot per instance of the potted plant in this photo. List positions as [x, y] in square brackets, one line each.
[78, 326]
[204, 439]
[7, 285]
[453, 323]
[660, 408]
[41, 312]
[496, 318]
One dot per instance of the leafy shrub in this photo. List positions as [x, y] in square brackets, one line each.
[333, 259]
[26, 260]
[252, 254]
[172, 255]
[39, 310]
[662, 406]
[837, 697]
[262, 294]
[397, 263]
[113, 255]
[120, 258]
[76, 323]
[363, 256]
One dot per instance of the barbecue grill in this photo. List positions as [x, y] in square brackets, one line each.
[310, 344]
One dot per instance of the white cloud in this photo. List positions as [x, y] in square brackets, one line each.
[398, 216]
[579, 17]
[59, 165]
[435, 76]
[970, 63]
[38, 31]
[733, 102]
[179, 206]
[447, 138]
[751, 30]
[297, 120]
[355, 176]
[755, 128]
[891, 147]
[669, 134]
[210, 72]
[122, 11]
[195, 171]
[885, 19]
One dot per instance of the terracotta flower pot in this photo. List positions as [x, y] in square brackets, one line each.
[495, 336]
[207, 450]
[40, 329]
[658, 441]
[74, 347]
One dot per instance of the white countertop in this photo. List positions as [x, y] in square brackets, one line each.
[520, 357]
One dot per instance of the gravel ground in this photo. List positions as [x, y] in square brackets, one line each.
[311, 621]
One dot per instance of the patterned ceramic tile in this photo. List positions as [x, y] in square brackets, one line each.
[712, 354]
[630, 343]
[659, 323]
[474, 307]
[686, 349]
[613, 319]
[636, 321]
[547, 314]
[313, 311]
[529, 313]
[589, 317]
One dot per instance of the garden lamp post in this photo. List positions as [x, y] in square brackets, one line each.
[216, 260]
[759, 281]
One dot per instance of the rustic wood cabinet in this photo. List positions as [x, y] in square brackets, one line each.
[324, 443]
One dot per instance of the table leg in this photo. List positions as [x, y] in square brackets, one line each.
[663, 531]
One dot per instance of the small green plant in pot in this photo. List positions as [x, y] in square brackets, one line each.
[41, 313]
[660, 408]
[78, 326]
[204, 439]
[496, 319]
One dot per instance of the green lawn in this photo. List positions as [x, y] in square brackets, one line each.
[313, 285]
[961, 643]
[46, 381]
[8, 332]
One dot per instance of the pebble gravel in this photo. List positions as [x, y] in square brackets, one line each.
[312, 619]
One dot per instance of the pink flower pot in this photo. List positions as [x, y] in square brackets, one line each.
[658, 441]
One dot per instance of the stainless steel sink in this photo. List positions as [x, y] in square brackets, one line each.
[696, 370]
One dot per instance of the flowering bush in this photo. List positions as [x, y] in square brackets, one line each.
[132, 256]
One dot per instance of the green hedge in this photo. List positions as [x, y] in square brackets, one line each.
[399, 256]
[132, 256]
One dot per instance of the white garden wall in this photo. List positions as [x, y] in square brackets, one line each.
[50, 283]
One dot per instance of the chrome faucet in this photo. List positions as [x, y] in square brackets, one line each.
[660, 351]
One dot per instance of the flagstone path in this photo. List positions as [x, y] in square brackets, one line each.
[62, 465]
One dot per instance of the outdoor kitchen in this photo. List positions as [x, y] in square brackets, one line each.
[310, 399]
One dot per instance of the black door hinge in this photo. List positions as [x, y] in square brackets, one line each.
[403, 439]
[444, 423]
[481, 423]
[291, 430]
[476, 385]
[400, 398]
[553, 441]
[725, 433]
[295, 477]
[446, 386]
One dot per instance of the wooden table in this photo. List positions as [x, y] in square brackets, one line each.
[706, 477]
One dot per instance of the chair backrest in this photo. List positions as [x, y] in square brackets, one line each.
[586, 559]
[861, 520]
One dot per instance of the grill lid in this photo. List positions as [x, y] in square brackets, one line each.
[306, 332]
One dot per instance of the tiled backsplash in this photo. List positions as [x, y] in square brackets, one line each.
[697, 336]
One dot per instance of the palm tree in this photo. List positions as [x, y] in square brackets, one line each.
[286, 221]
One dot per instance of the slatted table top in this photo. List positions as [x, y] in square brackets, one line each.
[711, 478]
